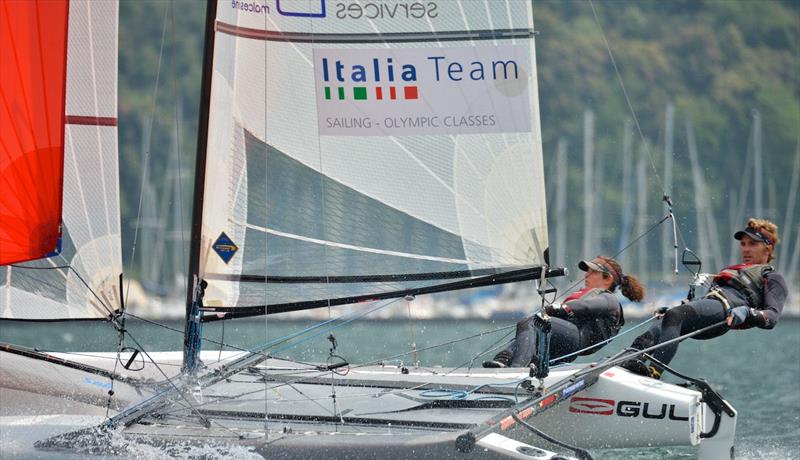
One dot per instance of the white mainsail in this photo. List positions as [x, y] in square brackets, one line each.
[335, 150]
[91, 216]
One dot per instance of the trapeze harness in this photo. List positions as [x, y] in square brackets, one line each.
[575, 296]
[749, 280]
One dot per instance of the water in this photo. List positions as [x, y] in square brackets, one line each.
[756, 370]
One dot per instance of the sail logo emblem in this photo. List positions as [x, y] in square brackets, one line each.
[225, 247]
[591, 406]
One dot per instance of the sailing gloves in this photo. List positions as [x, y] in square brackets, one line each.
[559, 311]
[738, 315]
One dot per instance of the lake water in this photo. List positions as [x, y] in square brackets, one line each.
[758, 371]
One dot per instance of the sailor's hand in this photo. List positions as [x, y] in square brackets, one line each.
[737, 316]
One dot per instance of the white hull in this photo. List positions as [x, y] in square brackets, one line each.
[620, 410]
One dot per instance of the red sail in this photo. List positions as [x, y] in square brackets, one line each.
[33, 59]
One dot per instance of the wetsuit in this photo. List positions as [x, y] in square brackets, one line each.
[587, 317]
[700, 313]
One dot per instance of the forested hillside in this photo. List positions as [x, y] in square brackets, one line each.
[721, 64]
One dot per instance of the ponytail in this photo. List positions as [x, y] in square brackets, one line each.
[632, 288]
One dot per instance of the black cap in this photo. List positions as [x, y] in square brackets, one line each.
[754, 234]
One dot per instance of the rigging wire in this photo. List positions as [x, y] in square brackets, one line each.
[625, 248]
[120, 326]
[178, 114]
[627, 98]
[146, 165]
[111, 312]
[610, 339]
[640, 133]
[449, 342]
[664, 196]
[189, 404]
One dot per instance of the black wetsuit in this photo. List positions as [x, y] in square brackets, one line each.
[588, 317]
[700, 313]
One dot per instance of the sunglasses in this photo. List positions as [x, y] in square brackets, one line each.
[760, 236]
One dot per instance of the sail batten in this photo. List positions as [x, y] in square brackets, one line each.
[377, 37]
[352, 159]
[357, 248]
[90, 120]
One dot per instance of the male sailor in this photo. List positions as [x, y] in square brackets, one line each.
[745, 295]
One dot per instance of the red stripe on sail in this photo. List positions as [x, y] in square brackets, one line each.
[92, 121]
[33, 67]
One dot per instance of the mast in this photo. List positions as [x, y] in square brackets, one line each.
[758, 204]
[627, 203]
[699, 197]
[788, 220]
[588, 184]
[191, 336]
[742, 194]
[641, 209]
[561, 202]
[666, 231]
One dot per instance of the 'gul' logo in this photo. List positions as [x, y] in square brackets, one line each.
[624, 408]
[591, 406]
[636, 408]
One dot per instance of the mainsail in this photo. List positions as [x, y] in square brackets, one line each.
[71, 46]
[357, 152]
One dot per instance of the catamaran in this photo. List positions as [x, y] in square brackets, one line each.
[347, 154]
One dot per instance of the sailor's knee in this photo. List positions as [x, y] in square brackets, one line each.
[676, 315]
[524, 324]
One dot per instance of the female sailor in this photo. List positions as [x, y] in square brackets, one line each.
[746, 295]
[586, 318]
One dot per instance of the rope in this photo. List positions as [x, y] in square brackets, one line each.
[146, 165]
[464, 394]
[629, 245]
[627, 98]
[604, 341]
[75, 272]
[450, 342]
[665, 197]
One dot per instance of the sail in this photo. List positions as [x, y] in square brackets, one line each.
[358, 150]
[33, 53]
[80, 281]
